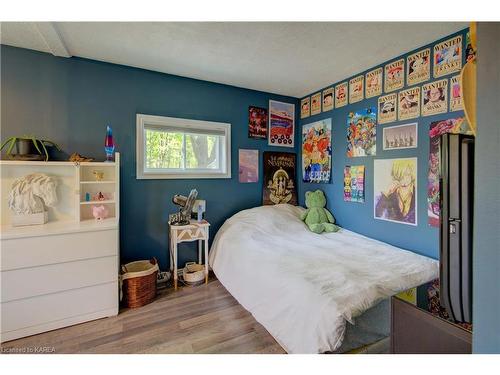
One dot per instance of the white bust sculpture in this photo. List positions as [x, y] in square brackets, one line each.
[30, 194]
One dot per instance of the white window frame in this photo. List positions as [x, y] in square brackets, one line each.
[145, 121]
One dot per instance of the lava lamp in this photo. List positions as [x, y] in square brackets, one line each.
[109, 144]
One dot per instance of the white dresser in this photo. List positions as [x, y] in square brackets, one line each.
[66, 271]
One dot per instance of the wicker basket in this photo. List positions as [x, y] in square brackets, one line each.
[139, 282]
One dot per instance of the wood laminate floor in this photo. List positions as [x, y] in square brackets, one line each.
[201, 319]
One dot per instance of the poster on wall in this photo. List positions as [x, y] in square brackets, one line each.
[356, 89]
[448, 57]
[257, 122]
[354, 183]
[469, 51]
[454, 126]
[281, 124]
[362, 133]
[248, 169]
[341, 95]
[400, 136]
[328, 99]
[394, 75]
[409, 103]
[387, 108]
[317, 151]
[316, 103]
[435, 97]
[456, 100]
[394, 188]
[418, 67]
[279, 178]
[373, 82]
[305, 109]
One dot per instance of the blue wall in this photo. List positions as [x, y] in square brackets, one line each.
[71, 100]
[358, 217]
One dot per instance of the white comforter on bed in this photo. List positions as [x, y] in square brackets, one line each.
[303, 287]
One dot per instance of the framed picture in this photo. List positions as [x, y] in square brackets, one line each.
[356, 89]
[387, 108]
[279, 178]
[409, 103]
[341, 94]
[362, 133]
[354, 183]
[435, 97]
[400, 136]
[373, 83]
[281, 124]
[328, 99]
[456, 99]
[316, 103]
[418, 67]
[448, 57]
[394, 75]
[248, 169]
[257, 122]
[395, 190]
[317, 151]
[305, 107]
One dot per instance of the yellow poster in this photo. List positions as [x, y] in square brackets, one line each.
[316, 103]
[394, 75]
[341, 95]
[328, 99]
[418, 67]
[435, 97]
[305, 108]
[356, 89]
[387, 108]
[373, 82]
[409, 103]
[456, 99]
[448, 56]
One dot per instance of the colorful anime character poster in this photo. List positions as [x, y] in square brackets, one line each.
[305, 107]
[257, 122]
[435, 97]
[454, 126]
[354, 183]
[448, 57]
[356, 89]
[316, 104]
[394, 75]
[456, 99]
[341, 94]
[279, 178]
[328, 99]
[387, 108]
[281, 124]
[248, 170]
[395, 187]
[362, 133]
[317, 151]
[418, 67]
[409, 103]
[373, 83]
[470, 53]
[400, 136]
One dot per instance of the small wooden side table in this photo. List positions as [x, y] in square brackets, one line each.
[188, 233]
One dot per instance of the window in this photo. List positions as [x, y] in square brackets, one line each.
[169, 147]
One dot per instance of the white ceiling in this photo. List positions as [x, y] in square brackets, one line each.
[289, 58]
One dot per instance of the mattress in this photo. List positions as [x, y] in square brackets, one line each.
[306, 288]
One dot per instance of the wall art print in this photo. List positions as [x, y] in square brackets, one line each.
[279, 178]
[362, 133]
[281, 124]
[317, 151]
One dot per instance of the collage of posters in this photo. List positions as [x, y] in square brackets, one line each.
[356, 89]
[435, 97]
[387, 108]
[248, 169]
[341, 94]
[354, 183]
[456, 99]
[395, 187]
[400, 136]
[448, 56]
[328, 99]
[394, 75]
[281, 124]
[362, 133]
[409, 103]
[418, 67]
[279, 178]
[305, 107]
[315, 103]
[373, 83]
[257, 122]
[317, 151]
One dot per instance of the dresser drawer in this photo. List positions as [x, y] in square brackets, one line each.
[39, 251]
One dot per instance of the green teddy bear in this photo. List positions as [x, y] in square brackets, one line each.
[316, 216]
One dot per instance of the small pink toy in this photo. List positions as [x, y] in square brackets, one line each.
[100, 212]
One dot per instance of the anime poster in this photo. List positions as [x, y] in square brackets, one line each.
[394, 75]
[409, 103]
[395, 187]
[328, 99]
[279, 178]
[454, 126]
[400, 136]
[316, 103]
[257, 122]
[281, 124]
[362, 133]
[341, 95]
[470, 53]
[456, 99]
[435, 97]
[356, 89]
[448, 56]
[305, 107]
[248, 169]
[317, 151]
[418, 67]
[354, 183]
[387, 108]
[373, 82]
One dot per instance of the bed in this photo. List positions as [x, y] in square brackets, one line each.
[307, 289]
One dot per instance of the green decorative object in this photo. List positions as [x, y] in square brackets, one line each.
[28, 148]
[316, 216]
